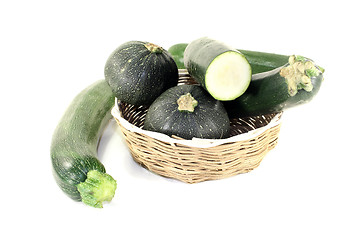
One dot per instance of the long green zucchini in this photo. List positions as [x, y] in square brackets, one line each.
[292, 84]
[76, 167]
[263, 62]
[259, 61]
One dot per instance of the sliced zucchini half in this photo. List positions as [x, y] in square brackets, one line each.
[223, 71]
[228, 76]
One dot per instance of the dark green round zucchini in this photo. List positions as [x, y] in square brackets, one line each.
[295, 83]
[259, 61]
[223, 71]
[138, 72]
[188, 111]
[76, 167]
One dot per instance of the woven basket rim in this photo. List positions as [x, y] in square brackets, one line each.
[195, 142]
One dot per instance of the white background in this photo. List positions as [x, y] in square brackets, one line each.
[306, 188]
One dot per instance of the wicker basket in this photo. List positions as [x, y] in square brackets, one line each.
[198, 160]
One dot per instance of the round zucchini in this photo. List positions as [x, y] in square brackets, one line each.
[295, 83]
[138, 72]
[223, 71]
[259, 61]
[188, 111]
[76, 167]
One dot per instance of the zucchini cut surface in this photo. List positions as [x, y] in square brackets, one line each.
[228, 76]
[222, 70]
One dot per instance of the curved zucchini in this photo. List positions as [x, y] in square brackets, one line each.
[223, 71]
[259, 61]
[76, 168]
[295, 83]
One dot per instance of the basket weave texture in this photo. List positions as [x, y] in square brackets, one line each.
[189, 161]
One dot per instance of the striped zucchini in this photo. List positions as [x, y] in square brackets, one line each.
[76, 167]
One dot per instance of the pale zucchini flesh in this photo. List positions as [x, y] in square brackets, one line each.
[222, 70]
[228, 76]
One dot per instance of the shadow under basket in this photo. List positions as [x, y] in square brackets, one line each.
[198, 160]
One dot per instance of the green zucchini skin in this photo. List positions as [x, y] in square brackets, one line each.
[269, 92]
[207, 120]
[177, 52]
[138, 72]
[199, 57]
[264, 62]
[75, 140]
[259, 61]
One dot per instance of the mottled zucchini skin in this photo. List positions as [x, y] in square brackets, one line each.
[269, 93]
[208, 120]
[138, 75]
[74, 143]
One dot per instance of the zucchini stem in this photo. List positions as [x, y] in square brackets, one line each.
[298, 74]
[187, 103]
[154, 48]
[98, 187]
